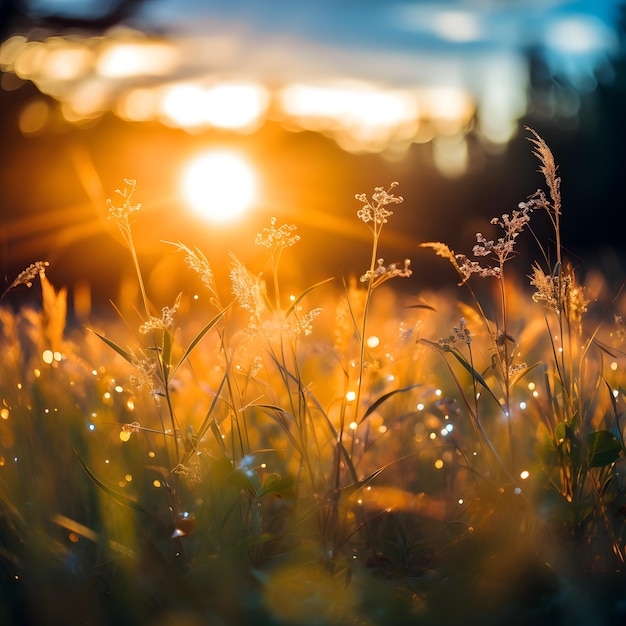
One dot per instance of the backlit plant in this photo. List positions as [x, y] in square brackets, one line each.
[347, 455]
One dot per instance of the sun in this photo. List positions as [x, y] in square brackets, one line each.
[219, 185]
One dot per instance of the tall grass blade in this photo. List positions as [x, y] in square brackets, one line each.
[386, 397]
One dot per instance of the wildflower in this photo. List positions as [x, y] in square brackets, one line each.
[442, 250]
[166, 321]
[26, 277]
[536, 201]
[512, 225]
[128, 207]
[500, 249]
[548, 169]
[547, 288]
[247, 288]
[197, 262]
[466, 268]
[576, 301]
[374, 211]
[381, 273]
[462, 332]
[516, 368]
[305, 323]
[256, 366]
[191, 473]
[560, 291]
[277, 238]
[146, 375]
[459, 333]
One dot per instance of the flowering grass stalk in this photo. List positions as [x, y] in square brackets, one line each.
[259, 461]
[577, 437]
[26, 277]
[374, 213]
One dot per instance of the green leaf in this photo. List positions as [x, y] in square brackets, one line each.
[428, 307]
[475, 375]
[603, 448]
[210, 421]
[515, 379]
[294, 304]
[198, 337]
[385, 397]
[560, 433]
[247, 479]
[166, 358]
[118, 497]
[126, 355]
[276, 484]
[282, 416]
[359, 484]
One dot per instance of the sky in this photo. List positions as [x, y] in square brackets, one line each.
[431, 93]
[413, 51]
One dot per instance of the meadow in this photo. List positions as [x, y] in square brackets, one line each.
[348, 455]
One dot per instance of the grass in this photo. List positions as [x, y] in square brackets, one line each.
[342, 456]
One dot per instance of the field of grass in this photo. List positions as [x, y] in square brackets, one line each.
[346, 455]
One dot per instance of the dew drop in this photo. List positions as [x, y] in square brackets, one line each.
[373, 341]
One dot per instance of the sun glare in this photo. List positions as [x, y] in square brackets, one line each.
[219, 186]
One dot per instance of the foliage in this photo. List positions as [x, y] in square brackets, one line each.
[243, 456]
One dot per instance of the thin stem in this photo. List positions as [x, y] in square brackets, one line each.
[505, 365]
[368, 296]
[275, 261]
[133, 252]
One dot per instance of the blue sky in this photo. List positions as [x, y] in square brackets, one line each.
[477, 46]
[575, 35]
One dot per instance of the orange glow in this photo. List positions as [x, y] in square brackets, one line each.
[33, 117]
[89, 99]
[450, 154]
[361, 117]
[66, 60]
[137, 105]
[219, 185]
[366, 117]
[239, 106]
[122, 60]
[141, 78]
[90, 75]
[450, 107]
